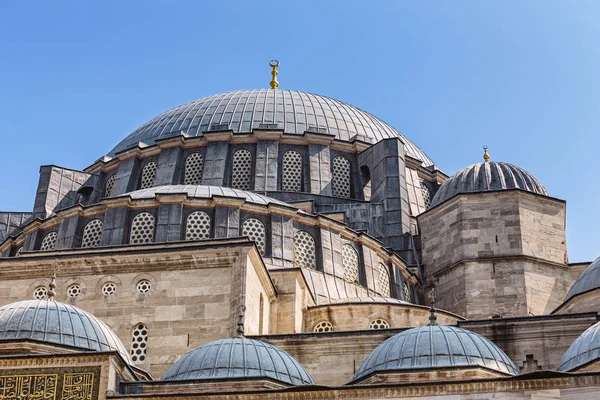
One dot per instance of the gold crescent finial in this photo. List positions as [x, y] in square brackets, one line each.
[486, 156]
[274, 64]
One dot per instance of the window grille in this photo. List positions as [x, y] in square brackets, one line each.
[304, 250]
[406, 289]
[148, 175]
[291, 176]
[193, 169]
[40, 292]
[323, 326]
[143, 286]
[426, 193]
[241, 170]
[379, 323]
[340, 180]
[384, 280]
[197, 226]
[139, 343]
[73, 291]
[142, 228]
[49, 242]
[92, 234]
[109, 288]
[350, 263]
[255, 230]
[108, 186]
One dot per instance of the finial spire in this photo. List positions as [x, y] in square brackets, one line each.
[240, 324]
[274, 64]
[51, 287]
[486, 156]
[432, 316]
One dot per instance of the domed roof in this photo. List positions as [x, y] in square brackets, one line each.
[204, 192]
[487, 176]
[584, 349]
[588, 280]
[435, 346]
[239, 358]
[58, 323]
[292, 111]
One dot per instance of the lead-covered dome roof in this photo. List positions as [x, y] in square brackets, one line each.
[584, 349]
[292, 111]
[435, 346]
[58, 323]
[588, 280]
[239, 357]
[488, 176]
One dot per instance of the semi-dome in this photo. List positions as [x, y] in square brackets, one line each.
[588, 280]
[435, 346]
[239, 357]
[57, 323]
[203, 192]
[584, 349]
[292, 111]
[487, 176]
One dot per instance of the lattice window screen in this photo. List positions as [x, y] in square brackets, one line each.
[323, 326]
[108, 186]
[197, 226]
[350, 263]
[241, 170]
[139, 343]
[49, 242]
[426, 193]
[148, 175]
[379, 323]
[384, 280]
[304, 250]
[92, 234]
[340, 180]
[142, 228]
[255, 230]
[193, 169]
[291, 176]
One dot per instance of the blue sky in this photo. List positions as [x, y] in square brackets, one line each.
[520, 76]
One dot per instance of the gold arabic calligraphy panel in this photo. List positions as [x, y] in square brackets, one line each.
[62, 385]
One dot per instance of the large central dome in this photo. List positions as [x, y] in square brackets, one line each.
[294, 112]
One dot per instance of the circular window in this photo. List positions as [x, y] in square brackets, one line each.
[143, 286]
[40, 292]
[324, 326]
[73, 291]
[109, 288]
[379, 323]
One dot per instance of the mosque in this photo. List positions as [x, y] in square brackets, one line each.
[278, 244]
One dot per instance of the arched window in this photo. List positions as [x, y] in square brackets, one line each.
[197, 226]
[304, 250]
[291, 172]
[142, 228]
[148, 175]
[49, 242]
[139, 343]
[241, 170]
[108, 186]
[323, 326]
[350, 263]
[426, 193]
[255, 230]
[340, 179]
[406, 290]
[384, 280]
[193, 169]
[92, 234]
[379, 323]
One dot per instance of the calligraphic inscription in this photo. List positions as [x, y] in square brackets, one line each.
[28, 387]
[78, 386]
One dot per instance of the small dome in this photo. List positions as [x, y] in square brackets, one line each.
[239, 358]
[292, 111]
[483, 177]
[584, 349]
[57, 323]
[435, 346]
[588, 280]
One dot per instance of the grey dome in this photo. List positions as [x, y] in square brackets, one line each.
[204, 192]
[588, 280]
[292, 111]
[487, 176]
[239, 358]
[435, 346]
[57, 323]
[584, 349]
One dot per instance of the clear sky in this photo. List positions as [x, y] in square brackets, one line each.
[519, 76]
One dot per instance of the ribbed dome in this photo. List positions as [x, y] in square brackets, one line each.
[57, 323]
[435, 346]
[487, 176]
[294, 112]
[584, 349]
[588, 280]
[239, 358]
